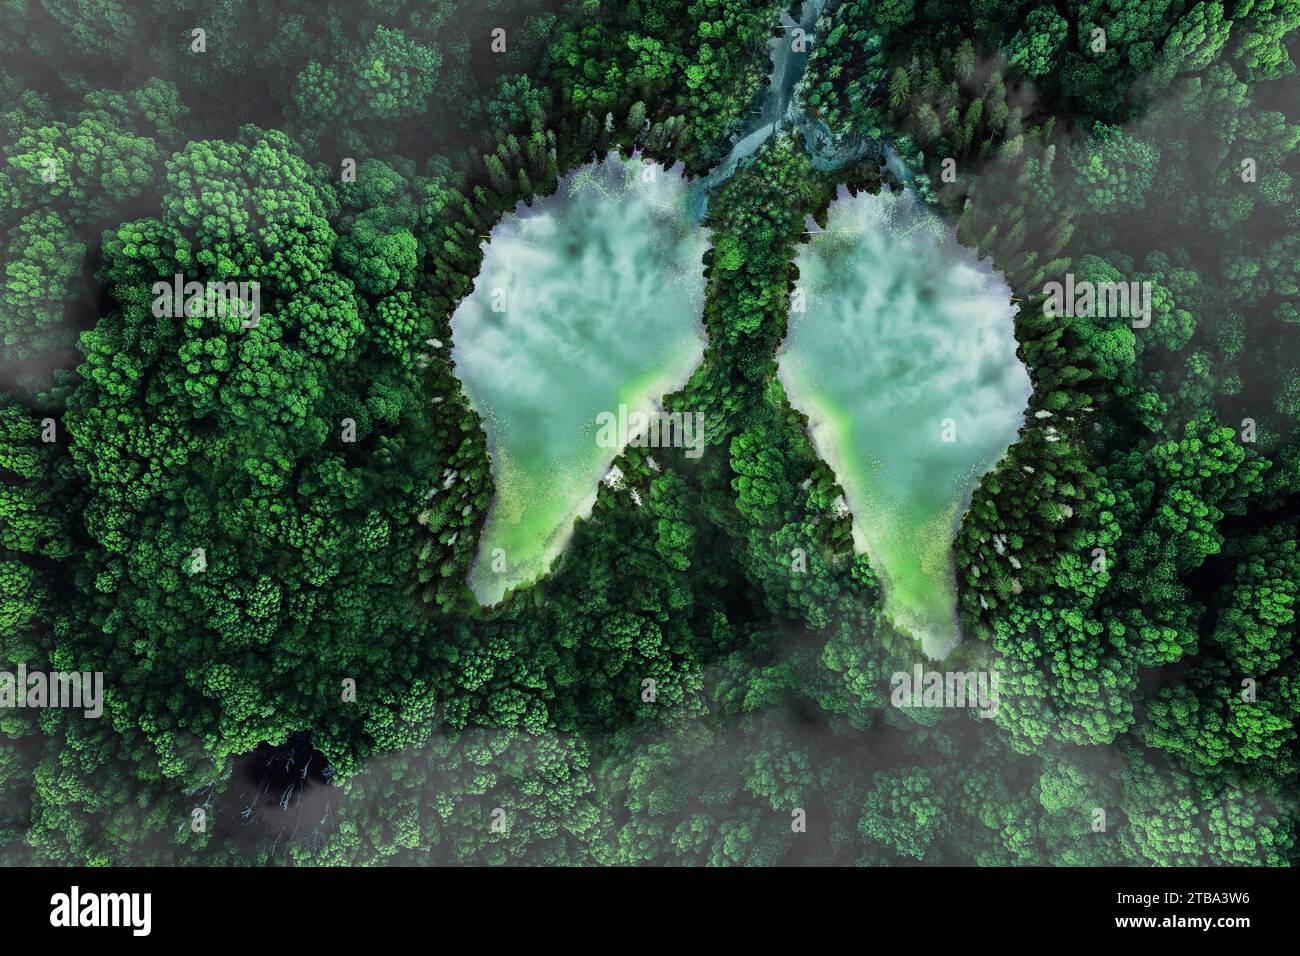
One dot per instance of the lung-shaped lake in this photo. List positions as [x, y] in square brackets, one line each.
[589, 300]
[901, 352]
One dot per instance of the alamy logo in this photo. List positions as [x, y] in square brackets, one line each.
[924, 688]
[655, 429]
[75, 689]
[1086, 300]
[103, 909]
[178, 297]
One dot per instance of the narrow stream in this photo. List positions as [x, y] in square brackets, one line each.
[780, 111]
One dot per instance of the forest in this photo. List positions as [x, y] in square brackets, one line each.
[295, 670]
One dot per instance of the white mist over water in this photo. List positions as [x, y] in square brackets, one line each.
[603, 287]
[903, 331]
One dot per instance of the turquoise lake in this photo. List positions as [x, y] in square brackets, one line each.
[588, 300]
[904, 360]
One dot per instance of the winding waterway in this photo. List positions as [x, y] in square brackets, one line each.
[780, 110]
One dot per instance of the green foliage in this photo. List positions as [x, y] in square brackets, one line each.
[1034, 49]
[1115, 171]
[232, 521]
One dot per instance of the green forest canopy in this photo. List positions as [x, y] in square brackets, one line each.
[1146, 641]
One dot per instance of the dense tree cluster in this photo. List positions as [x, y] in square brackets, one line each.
[258, 525]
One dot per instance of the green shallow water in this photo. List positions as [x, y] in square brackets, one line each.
[905, 336]
[603, 292]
